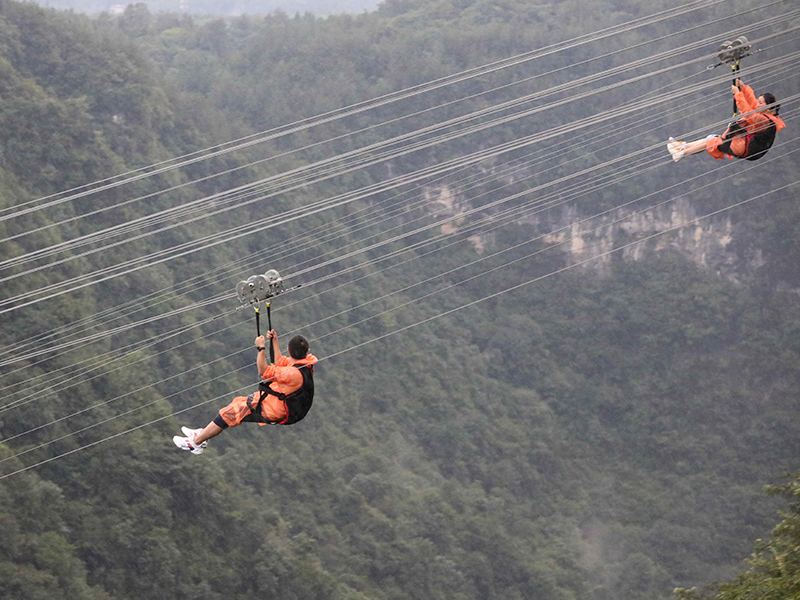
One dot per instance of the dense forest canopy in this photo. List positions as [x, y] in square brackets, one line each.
[595, 433]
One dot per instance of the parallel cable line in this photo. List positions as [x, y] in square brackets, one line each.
[234, 234]
[68, 383]
[260, 226]
[383, 100]
[483, 259]
[181, 211]
[310, 325]
[764, 23]
[423, 321]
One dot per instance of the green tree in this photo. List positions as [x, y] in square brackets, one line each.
[774, 572]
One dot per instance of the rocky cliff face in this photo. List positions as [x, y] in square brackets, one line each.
[626, 232]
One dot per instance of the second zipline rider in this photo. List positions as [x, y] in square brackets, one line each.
[749, 137]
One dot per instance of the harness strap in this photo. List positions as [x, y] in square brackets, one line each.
[264, 391]
[735, 130]
[255, 407]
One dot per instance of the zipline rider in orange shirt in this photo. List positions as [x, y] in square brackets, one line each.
[284, 397]
[749, 137]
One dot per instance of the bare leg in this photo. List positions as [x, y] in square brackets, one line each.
[209, 431]
[694, 147]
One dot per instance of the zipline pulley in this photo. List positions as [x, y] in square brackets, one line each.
[732, 52]
[258, 289]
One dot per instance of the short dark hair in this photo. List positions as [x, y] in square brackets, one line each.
[298, 347]
[770, 99]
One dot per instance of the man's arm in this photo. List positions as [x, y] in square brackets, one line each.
[261, 359]
[744, 96]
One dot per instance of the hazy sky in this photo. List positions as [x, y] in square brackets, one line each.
[319, 7]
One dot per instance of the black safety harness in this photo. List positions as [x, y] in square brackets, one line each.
[756, 143]
[297, 404]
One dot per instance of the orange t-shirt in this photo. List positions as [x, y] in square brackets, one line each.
[285, 379]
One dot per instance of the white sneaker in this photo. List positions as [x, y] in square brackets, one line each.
[192, 433]
[676, 149]
[187, 443]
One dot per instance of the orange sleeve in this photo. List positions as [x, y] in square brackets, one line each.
[272, 370]
[746, 99]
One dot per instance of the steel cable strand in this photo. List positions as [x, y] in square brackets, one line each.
[79, 378]
[439, 276]
[385, 122]
[88, 364]
[206, 243]
[456, 217]
[415, 90]
[312, 238]
[420, 145]
[698, 87]
[72, 370]
[411, 326]
[116, 435]
[511, 217]
[569, 85]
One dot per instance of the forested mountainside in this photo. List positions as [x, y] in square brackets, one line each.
[591, 434]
